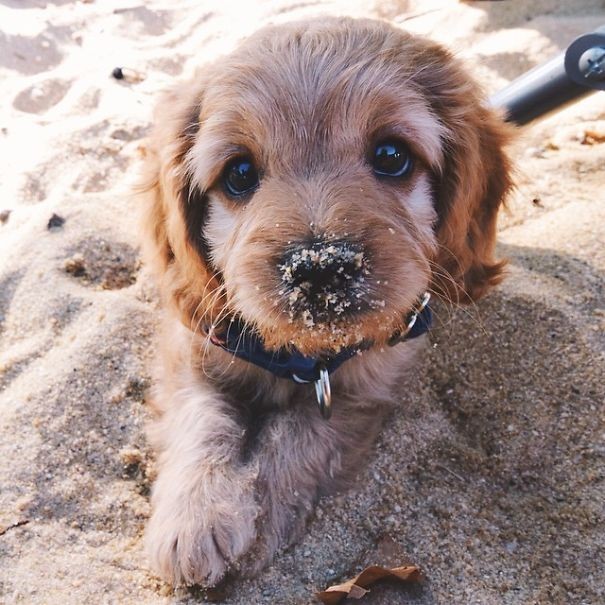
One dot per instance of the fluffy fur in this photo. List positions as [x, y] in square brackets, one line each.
[243, 456]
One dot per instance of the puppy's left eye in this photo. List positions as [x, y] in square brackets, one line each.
[392, 158]
[240, 176]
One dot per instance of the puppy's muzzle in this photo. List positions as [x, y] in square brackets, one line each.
[324, 279]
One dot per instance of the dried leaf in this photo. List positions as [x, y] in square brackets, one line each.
[357, 587]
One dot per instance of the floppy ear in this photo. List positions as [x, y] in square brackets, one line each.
[473, 184]
[174, 210]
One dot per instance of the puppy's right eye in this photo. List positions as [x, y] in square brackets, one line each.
[240, 176]
[392, 158]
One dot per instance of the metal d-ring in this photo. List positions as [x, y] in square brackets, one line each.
[323, 392]
[426, 297]
[399, 336]
[416, 312]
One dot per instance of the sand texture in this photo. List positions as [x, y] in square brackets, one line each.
[492, 476]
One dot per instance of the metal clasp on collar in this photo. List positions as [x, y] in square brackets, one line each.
[399, 336]
[323, 392]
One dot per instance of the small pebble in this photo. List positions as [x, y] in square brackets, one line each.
[127, 74]
[75, 265]
[55, 222]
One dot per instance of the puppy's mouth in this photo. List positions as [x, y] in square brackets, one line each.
[320, 296]
[325, 282]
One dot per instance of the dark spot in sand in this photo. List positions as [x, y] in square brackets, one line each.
[130, 134]
[75, 265]
[215, 594]
[55, 222]
[4, 216]
[136, 388]
[108, 265]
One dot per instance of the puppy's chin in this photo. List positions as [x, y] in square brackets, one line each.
[330, 337]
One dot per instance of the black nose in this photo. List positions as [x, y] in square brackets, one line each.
[324, 278]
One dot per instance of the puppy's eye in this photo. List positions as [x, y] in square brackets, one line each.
[392, 158]
[240, 176]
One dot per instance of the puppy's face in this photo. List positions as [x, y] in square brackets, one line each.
[318, 186]
[322, 177]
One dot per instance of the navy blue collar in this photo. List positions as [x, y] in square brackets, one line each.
[247, 345]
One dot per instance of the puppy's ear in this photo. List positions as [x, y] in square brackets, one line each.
[473, 184]
[173, 209]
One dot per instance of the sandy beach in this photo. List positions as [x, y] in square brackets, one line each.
[492, 476]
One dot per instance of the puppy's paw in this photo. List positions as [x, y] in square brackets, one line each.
[279, 524]
[193, 540]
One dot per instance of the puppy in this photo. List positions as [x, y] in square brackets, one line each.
[304, 196]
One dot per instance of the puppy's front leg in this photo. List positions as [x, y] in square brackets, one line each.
[203, 502]
[301, 456]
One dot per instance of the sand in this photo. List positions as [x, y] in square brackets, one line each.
[492, 477]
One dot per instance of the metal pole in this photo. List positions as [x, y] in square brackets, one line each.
[567, 78]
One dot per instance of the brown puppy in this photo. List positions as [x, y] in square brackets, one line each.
[308, 189]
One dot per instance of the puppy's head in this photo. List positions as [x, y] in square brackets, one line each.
[319, 179]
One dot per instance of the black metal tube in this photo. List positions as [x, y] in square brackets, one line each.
[539, 92]
[555, 84]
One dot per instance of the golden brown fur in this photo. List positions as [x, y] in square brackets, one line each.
[306, 101]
